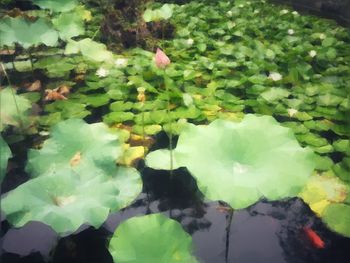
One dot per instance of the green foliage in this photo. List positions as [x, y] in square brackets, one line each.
[163, 13]
[27, 34]
[5, 155]
[241, 160]
[97, 146]
[127, 245]
[337, 217]
[14, 109]
[77, 180]
[68, 25]
[90, 49]
[56, 6]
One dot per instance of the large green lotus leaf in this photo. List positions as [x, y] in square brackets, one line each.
[62, 201]
[165, 12]
[27, 34]
[5, 154]
[14, 109]
[151, 239]
[90, 49]
[241, 162]
[56, 6]
[69, 25]
[337, 217]
[90, 149]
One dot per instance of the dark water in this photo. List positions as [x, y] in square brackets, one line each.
[267, 232]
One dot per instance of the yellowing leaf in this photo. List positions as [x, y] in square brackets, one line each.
[321, 190]
[132, 154]
[75, 160]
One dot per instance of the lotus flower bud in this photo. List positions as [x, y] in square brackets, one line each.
[162, 60]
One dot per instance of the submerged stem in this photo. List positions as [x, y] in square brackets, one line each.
[228, 230]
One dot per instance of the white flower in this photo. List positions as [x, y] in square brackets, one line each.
[101, 72]
[312, 53]
[292, 112]
[275, 76]
[284, 11]
[322, 36]
[190, 41]
[291, 32]
[121, 62]
[295, 13]
[241, 6]
[229, 13]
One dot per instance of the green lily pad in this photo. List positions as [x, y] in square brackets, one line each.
[337, 217]
[5, 155]
[65, 201]
[163, 13]
[27, 34]
[14, 109]
[127, 246]
[90, 49]
[56, 6]
[241, 160]
[68, 25]
[90, 149]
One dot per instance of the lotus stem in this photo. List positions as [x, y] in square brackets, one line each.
[13, 95]
[31, 61]
[170, 133]
[228, 230]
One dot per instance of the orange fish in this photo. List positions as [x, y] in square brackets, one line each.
[314, 238]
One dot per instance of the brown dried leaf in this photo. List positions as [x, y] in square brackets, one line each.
[34, 86]
[53, 95]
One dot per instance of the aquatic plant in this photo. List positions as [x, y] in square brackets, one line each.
[26, 33]
[162, 13]
[77, 179]
[65, 201]
[239, 163]
[5, 155]
[327, 197]
[151, 239]
[14, 109]
[56, 6]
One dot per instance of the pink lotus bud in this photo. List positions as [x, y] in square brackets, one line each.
[162, 60]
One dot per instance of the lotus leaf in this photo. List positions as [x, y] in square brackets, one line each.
[91, 149]
[240, 162]
[4, 156]
[56, 6]
[337, 217]
[90, 49]
[151, 239]
[27, 34]
[165, 12]
[65, 201]
[14, 108]
[69, 25]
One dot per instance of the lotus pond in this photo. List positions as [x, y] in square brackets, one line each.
[173, 131]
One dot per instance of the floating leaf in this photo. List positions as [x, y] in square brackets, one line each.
[321, 191]
[14, 109]
[68, 25]
[163, 13]
[65, 201]
[27, 34]
[242, 160]
[4, 156]
[97, 146]
[56, 6]
[136, 240]
[90, 49]
[337, 217]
